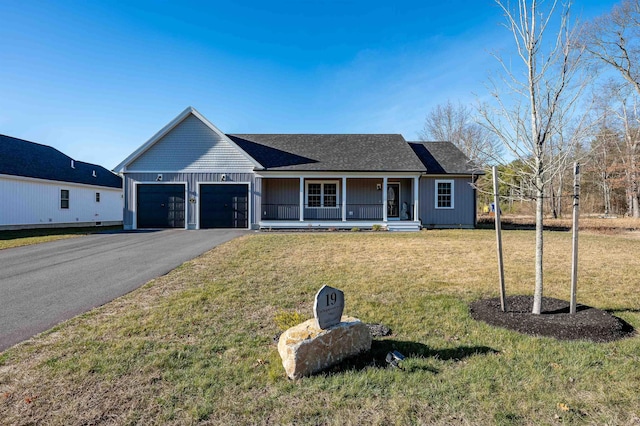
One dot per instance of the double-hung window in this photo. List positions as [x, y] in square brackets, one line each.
[64, 198]
[322, 194]
[444, 194]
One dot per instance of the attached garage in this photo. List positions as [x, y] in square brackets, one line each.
[224, 206]
[160, 205]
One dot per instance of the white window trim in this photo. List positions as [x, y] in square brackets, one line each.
[61, 199]
[322, 183]
[450, 181]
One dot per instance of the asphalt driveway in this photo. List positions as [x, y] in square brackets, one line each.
[42, 285]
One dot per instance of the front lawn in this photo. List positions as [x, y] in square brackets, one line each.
[197, 344]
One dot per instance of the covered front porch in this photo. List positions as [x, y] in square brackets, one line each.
[329, 201]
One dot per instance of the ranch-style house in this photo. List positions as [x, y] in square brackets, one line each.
[191, 175]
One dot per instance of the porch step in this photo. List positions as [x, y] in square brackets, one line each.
[403, 226]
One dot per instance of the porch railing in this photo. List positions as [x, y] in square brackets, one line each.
[323, 213]
[280, 212]
[364, 211]
[354, 212]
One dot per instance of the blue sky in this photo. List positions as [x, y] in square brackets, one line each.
[97, 79]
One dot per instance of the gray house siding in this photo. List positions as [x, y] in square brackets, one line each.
[462, 215]
[364, 191]
[191, 147]
[364, 199]
[281, 191]
[281, 199]
[192, 181]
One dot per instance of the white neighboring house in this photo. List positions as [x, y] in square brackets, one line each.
[40, 187]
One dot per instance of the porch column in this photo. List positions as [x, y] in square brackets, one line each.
[344, 199]
[416, 198]
[301, 199]
[384, 199]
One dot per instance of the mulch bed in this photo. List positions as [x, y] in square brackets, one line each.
[554, 321]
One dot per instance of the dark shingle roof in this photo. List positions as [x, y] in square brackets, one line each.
[323, 152]
[23, 158]
[444, 158]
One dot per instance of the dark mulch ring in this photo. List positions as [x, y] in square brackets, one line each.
[555, 320]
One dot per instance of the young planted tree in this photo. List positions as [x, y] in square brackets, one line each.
[535, 103]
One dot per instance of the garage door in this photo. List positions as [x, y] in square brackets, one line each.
[160, 206]
[224, 206]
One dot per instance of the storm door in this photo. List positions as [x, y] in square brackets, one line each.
[393, 200]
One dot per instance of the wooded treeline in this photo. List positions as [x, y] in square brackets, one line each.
[592, 119]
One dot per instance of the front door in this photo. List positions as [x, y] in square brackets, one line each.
[393, 200]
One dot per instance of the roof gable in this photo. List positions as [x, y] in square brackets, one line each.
[19, 157]
[330, 152]
[444, 158]
[188, 143]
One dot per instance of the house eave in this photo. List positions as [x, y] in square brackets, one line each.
[57, 182]
[451, 175]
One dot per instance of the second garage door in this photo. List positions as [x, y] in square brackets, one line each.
[224, 206]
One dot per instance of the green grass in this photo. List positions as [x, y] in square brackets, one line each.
[23, 237]
[197, 344]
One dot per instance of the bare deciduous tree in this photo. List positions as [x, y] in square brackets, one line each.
[624, 118]
[605, 166]
[456, 124]
[614, 40]
[535, 103]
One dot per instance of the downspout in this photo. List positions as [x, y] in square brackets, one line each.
[474, 180]
[416, 199]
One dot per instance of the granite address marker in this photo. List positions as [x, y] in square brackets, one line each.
[328, 306]
[325, 340]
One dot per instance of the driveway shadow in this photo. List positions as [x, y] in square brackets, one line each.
[130, 231]
[46, 232]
